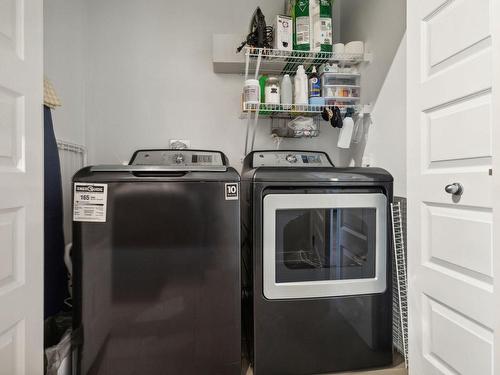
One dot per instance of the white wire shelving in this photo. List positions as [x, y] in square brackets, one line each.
[277, 62]
[294, 110]
[269, 61]
[400, 277]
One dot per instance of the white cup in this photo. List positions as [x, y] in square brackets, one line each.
[339, 48]
[355, 47]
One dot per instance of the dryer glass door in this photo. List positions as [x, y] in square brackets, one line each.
[322, 245]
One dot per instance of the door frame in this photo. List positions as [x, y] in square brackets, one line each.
[495, 34]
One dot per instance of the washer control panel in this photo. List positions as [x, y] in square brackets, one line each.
[290, 159]
[185, 158]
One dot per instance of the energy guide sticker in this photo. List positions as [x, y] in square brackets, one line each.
[90, 202]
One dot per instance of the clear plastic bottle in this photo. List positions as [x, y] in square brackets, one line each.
[286, 92]
[272, 91]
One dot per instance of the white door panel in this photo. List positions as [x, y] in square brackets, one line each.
[450, 132]
[447, 330]
[461, 238]
[469, 122]
[21, 188]
[477, 186]
[470, 75]
[457, 288]
[453, 30]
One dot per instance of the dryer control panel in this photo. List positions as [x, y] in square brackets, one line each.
[300, 159]
[186, 158]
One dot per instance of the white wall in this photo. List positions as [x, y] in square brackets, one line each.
[381, 24]
[64, 61]
[150, 78]
[135, 74]
[386, 145]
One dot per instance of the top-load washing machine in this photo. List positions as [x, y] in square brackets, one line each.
[156, 256]
[316, 264]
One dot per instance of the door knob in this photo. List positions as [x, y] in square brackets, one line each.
[454, 189]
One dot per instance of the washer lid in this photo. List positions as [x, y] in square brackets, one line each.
[156, 168]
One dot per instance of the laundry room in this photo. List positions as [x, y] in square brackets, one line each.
[290, 187]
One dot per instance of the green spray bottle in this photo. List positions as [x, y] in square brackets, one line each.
[262, 83]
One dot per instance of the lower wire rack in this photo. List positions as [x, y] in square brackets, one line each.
[294, 110]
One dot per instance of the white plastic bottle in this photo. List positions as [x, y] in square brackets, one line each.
[301, 83]
[345, 135]
[286, 92]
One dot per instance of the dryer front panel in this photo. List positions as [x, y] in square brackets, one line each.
[324, 245]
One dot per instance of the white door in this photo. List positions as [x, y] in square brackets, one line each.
[21, 188]
[450, 140]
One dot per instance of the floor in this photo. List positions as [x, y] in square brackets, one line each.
[398, 368]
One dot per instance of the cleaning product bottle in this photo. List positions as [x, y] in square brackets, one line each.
[301, 86]
[314, 84]
[262, 81]
[286, 92]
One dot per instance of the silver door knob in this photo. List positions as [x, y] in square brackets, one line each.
[454, 189]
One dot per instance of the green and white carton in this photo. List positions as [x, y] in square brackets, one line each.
[302, 26]
[321, 21]
[312, 21]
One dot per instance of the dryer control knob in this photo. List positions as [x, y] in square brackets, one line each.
[291, 158]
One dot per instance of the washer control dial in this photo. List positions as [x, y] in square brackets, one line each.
[179, 158]
[291, 158]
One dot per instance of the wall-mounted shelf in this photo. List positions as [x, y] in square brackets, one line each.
[342, 99]
[253, 62]
[344, 75]
[294, 110]
[272, 61]
[350, 86]
[227, 61]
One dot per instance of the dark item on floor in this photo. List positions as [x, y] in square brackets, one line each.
[57, 337]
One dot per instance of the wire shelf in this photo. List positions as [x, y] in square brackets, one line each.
[400, 295]
[280, 128]
[342, 99]
[264, 60]
[294, 110]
